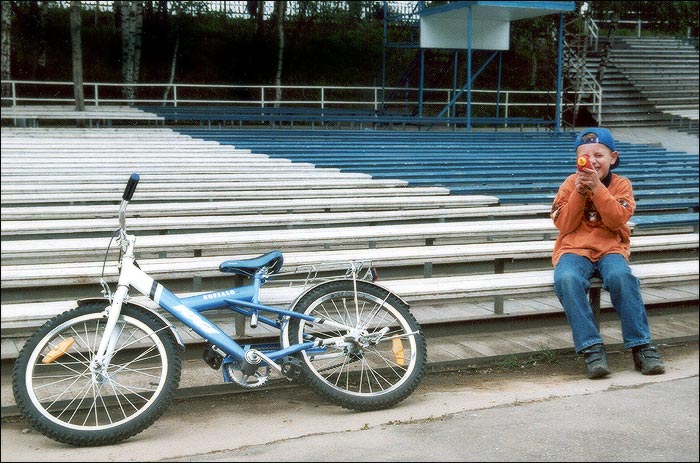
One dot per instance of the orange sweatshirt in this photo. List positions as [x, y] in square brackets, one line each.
[594, 226]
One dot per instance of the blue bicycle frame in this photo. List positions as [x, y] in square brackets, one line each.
[188, 310]
[243, 300]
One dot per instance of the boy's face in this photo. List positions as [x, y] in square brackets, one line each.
[601, 157]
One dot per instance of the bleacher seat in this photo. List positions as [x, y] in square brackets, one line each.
[433, 210]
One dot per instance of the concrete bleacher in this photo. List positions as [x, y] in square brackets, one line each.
[193, 210]
[650, 81]
[518, 169]
[239, 115]
[334, 117]
[93, 116]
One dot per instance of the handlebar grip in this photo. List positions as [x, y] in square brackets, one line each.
[130, 187]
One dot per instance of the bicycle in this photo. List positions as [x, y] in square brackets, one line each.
[107, 369]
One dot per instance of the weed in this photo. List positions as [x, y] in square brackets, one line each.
[545, 355]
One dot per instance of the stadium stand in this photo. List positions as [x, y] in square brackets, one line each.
[94, 116]
[649, 80]
[328, 117]
[207, 196]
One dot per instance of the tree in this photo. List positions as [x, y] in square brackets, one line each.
[41, 60]
[173, 62]
[670, 17]
[5, 67]
[280, 10]
[77, 54]
[5, 74]
[256, 10]
[533, 40]
[132, 27]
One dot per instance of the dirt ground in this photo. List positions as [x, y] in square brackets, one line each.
[502, 375]
[222, 427]
[563, 368]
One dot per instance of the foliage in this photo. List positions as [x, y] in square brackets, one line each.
[346, 50]
[671, 18]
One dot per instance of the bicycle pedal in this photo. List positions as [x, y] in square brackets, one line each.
[212, 356]
[291, 367]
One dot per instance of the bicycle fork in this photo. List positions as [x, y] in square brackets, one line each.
[103, 356]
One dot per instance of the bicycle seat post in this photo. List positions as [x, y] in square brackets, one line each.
[258, 280]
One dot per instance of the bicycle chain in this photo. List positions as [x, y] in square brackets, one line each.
[331, 367]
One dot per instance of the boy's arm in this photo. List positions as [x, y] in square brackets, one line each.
[615, 207]
[567, 209]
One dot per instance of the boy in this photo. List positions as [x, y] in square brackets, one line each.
[591, 210]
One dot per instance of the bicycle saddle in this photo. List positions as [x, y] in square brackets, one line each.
[273, 260]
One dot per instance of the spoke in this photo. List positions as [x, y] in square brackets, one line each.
[58, 380]
[106, 408]
[134, 341]
[138, 358]
[143, 371]
[375, 312]
[138, 392]
[70, 405]
[393, 366]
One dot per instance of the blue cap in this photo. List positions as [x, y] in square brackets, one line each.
[597, 135]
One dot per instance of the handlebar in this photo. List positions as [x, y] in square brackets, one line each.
[126, 197]
[130, 187]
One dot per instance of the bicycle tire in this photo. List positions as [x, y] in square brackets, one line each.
[64, 399]
[364, 375]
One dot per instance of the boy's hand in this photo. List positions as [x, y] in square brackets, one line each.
[587, 182]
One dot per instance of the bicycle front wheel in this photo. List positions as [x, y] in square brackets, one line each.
[63, 393]
[382, 358]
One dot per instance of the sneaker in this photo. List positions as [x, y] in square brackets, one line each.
[596, 361]
[648, 360]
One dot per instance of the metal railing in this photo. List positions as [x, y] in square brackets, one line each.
[499, 103]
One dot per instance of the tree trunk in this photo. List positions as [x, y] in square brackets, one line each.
[172, 71]
[5, 74]
[127, 49]
[77, 54]
[533, 67]
[41, 55]
[175, 22]
[138, 34]
[132, 26]
[281, 7]
[260, 17]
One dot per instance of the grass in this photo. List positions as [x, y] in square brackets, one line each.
[545, 355]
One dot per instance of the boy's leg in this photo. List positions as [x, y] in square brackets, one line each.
[626, 297]
[571, 283]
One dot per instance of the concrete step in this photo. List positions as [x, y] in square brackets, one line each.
[453, 346]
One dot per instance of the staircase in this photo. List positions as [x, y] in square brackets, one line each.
[649, 82]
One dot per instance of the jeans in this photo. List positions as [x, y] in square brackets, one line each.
[571, 283]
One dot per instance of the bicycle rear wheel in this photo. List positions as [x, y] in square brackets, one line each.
[63, 394]
[382, 359]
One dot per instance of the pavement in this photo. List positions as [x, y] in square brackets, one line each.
[534, 412]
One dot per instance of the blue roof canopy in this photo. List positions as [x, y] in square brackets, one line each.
[509, 11]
